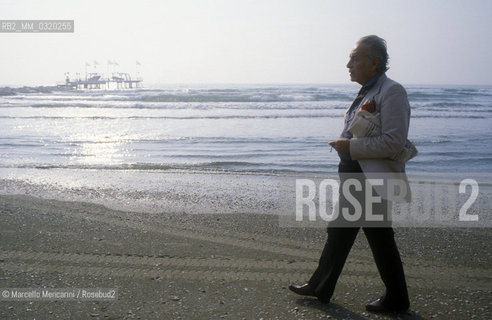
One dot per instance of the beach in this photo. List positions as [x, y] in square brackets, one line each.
[183, 200]
[211, 266]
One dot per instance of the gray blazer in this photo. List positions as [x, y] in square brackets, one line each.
[373, 152]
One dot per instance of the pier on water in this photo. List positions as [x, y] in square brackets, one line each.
[96, 81]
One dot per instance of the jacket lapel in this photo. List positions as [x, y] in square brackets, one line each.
[374, 92]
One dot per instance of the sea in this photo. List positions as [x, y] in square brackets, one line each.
[177, 147]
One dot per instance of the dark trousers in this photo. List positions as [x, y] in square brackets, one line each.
[383, 247]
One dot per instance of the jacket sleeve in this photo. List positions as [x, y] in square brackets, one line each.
[395, 117]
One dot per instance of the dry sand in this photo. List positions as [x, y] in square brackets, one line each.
[196, 266]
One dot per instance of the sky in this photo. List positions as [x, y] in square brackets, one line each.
[249, 41]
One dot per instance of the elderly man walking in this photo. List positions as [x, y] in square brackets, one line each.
[365, 156]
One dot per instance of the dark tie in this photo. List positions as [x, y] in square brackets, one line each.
[362, 93]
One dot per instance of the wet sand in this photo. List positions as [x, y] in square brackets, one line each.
[213, 266]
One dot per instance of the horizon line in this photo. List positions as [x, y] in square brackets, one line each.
[156, 84]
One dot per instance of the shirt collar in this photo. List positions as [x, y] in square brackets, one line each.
[370, 83]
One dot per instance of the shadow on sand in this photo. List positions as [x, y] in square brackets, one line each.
[336, 311]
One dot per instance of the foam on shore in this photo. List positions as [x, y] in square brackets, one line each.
[164, 192]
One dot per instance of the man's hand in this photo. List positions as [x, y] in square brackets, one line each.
[341, 145]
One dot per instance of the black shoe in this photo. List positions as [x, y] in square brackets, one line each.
[307, 290]
[380, 306]
[303, 290]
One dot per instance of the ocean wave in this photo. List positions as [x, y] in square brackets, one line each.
[217, 117]
[228, 117]
[293, 105]
[449, 116]
[258, 97]
[453, 106]
[236, 167]
[433, 141]
[448, 92]
[181, 142]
